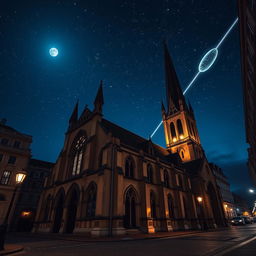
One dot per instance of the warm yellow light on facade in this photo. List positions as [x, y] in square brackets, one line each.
[226, 206]
[181, 137]
[20, 176]
[199, 199]
[25, 214]
[174, 139]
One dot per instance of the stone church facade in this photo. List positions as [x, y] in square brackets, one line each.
[110, 181]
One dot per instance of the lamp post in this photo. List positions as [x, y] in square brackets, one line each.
[201, 212]
[19, 178]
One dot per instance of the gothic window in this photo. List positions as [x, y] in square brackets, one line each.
[180, 128]
[130, 209]
[91, 201]
[150, 173]
[78, 155]
[170, 206]
[153, 204]
[166, 179]
[129, 168]
[5, 178]
[173, 131]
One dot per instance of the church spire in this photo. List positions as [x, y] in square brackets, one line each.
[74, 115]
[99, 100]
[175, 98]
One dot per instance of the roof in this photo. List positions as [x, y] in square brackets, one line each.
[5, 128]
[194, 167]
[39, 163]
[139, 143]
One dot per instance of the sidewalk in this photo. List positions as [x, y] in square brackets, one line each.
[11, 248]
[128, 237]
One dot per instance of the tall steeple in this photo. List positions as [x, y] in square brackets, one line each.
[74, 116]
[179, 122]
[174, 95]
[99, 99]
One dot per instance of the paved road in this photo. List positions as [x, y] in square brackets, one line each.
[203, 244]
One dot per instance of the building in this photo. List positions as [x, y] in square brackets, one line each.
[226, 194]
[110, 181]
[26, 206]
[247, 18]
[14, 157]
[241, 205]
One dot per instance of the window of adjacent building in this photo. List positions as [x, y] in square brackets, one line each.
[4, 141]
[5, 178]
[16, 144]
[153, 204]
[170, 206]
[150, 173]
[12, 160]
[91, 201]
[79, 149]
[166, 179]
[1, 157]
[129, 168]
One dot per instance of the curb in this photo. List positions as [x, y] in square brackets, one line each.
[10, 251]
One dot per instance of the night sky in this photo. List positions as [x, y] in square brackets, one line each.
[120, 42]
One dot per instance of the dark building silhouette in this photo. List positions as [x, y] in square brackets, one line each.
[110, 181]
[29, 195]
[247, 18]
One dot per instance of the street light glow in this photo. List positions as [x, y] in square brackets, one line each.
[251, 190]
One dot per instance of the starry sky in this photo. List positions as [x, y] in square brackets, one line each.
[120, 42]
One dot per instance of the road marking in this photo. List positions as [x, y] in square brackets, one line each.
[225, 251]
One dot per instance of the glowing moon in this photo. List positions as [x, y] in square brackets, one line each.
[54, 52]
[208, 60]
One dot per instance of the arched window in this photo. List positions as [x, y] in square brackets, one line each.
[180, 129]
[150, 173]
[130, 209]
[166, 179]
[153, 204]
[173, 131]
[170, 206]
[91, 201]
[78, 150]
[129, 168]
[2, 197]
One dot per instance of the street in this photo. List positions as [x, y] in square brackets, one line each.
[208, 243]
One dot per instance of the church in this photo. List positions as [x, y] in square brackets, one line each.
[109, 181]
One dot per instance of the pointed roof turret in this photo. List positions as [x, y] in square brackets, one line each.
[174, 95]
[74, 116]
[99, 99]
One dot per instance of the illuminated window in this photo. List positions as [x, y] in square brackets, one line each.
[12, 160]
[180, 128]
[129, 168]
[5, 177]
[173, 131]
[166, 179]
[91, 201]
[78, 155]
[150, 173]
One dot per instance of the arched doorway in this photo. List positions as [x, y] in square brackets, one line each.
[214, 204]
[73, 199]
[59, 203]
[130, 209]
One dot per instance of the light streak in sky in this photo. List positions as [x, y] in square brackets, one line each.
[205, 64]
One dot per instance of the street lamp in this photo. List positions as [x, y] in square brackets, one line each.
[251, 190]
[199, 199]
[19, 178]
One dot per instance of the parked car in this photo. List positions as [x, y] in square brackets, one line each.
[247, 219]
[238, 221]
